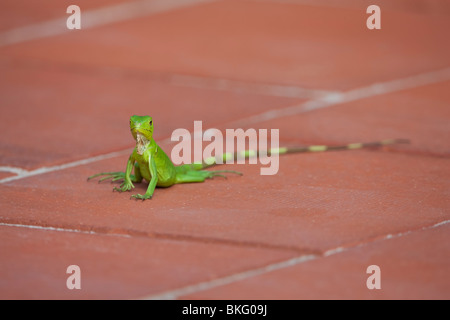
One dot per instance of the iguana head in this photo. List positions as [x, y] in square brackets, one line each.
[142, 130]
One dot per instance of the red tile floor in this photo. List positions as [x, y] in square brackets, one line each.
[311, 69]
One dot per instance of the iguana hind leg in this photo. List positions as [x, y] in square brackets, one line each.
[188, 176]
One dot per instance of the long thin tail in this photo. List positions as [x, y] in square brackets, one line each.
[226, 157]
[351, 146]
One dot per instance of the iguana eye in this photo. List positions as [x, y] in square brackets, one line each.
[151, 122]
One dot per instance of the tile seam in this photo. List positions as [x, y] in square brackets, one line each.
[128, 233]
[206, 285]
[310, 105]
[94, 18]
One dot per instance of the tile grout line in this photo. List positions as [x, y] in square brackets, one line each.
[205, 82]
[248, 87]
[25, 174]
[15, 170]
[94, 18]
[28, 226]
[319, 99]
[130, 233]
[206, 285]
[338, 98]
[329, 100]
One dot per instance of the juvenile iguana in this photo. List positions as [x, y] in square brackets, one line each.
[151, 163]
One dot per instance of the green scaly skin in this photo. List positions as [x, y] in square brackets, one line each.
[151, 163]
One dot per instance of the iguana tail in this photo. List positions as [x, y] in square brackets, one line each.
[318, 148]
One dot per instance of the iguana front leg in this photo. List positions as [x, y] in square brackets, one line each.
[153, 181]
[127, 185]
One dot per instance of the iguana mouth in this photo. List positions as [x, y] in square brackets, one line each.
[141, 143]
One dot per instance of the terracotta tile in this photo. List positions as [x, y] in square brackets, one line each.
[59, 114]
[413, 266]
[19, 13]
[34, 263]
[423, 7]
[315, 202]
[311, 46]
[6, 174]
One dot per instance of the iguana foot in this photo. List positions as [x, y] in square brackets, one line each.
[140, 196]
